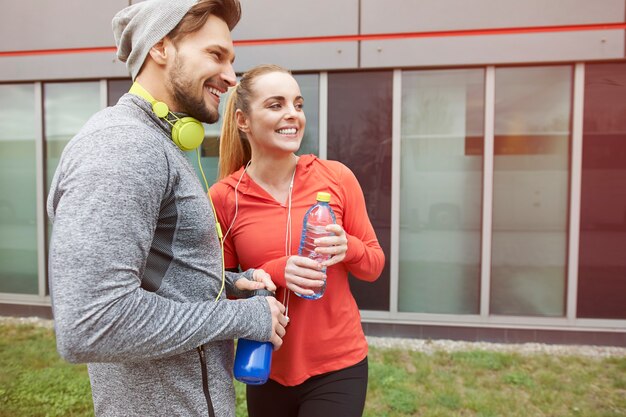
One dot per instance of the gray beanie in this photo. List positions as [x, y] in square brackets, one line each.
[139, 27]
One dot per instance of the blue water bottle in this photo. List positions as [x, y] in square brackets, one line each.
[314, 226]
[253, 360]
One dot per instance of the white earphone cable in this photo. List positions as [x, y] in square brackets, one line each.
[288, 235]
[288, 238]
[236, 200]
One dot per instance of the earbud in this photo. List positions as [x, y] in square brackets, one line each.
[187, 133]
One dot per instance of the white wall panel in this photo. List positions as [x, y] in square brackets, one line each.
[391, 16]
[297, 57]
[270, 19]
[86, 23]
[47, 24]
[61, 67]
[493, 49]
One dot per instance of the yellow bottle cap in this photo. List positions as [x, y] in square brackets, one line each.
[322, 196]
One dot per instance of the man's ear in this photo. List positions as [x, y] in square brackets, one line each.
[159, 52]
[242, 121]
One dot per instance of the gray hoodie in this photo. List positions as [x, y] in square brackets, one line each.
[135, 267]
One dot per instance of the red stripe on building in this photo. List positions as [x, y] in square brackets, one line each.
[351, 38]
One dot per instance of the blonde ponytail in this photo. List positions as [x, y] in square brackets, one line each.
[234, 147]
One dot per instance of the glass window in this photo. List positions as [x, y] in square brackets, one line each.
[602, 260]
[18, 190]
[441, 191]
[309, 87]
[116, 89]
[530, 190]
[67, 107]
[359, 135]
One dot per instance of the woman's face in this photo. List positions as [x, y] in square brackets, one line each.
[275, 123]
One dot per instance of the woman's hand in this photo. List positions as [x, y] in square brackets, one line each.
[260, 279]
[336, 246]
[304, 275]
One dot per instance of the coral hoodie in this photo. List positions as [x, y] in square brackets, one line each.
[323, 335]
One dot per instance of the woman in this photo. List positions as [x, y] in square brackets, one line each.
[261, 198]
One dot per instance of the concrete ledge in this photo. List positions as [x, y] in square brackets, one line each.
[21, 310]
[497, 335]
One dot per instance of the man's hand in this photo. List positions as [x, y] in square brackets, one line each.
[279, 322]
[260, 279]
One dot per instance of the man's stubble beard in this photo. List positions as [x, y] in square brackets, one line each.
[182, 89]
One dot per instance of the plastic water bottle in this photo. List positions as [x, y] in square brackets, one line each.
[253, 360]
[314, 226]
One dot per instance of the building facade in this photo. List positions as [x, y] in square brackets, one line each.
[489, 138]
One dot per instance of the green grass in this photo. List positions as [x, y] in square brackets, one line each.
[34, 381]
[482, 384]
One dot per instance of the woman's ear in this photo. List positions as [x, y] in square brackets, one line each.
[242, 121]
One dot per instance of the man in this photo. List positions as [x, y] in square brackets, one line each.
[135, 261]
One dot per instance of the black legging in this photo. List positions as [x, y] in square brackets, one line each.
[334, 394]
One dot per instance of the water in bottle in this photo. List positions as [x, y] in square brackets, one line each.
[253, 360]
[314, 226]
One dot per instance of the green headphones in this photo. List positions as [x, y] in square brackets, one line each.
[187, 133]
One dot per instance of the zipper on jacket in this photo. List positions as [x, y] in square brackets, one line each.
[205, 381]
